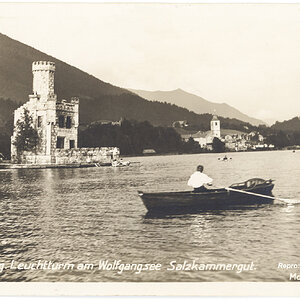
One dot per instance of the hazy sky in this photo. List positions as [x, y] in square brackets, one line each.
[246, 55]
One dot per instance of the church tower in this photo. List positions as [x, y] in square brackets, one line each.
[215, 127]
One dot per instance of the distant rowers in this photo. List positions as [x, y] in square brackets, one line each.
[199, 179]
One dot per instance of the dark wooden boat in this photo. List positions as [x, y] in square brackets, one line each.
[213, 199]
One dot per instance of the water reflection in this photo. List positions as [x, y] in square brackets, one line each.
[190, 212]
[80, 215]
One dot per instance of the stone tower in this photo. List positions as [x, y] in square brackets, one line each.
[56, 121]
[215, 127]
[43, 79]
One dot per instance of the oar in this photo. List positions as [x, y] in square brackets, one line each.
[287, 201]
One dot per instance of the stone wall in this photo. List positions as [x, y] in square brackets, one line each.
[86, 155]
[74, 156]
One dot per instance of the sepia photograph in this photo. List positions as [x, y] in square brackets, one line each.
[149, 148]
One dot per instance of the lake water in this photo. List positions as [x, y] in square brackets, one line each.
[86, 215]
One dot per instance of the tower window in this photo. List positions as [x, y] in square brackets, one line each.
[69, 122]
[39, 121]
[60, 144]
[216, 123]
[61, 121]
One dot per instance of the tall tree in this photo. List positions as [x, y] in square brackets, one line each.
[26, 135]
[218, 145]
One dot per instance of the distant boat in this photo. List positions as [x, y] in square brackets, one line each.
[120, 163]
[225, 158]
[149, 152]
[213, 199]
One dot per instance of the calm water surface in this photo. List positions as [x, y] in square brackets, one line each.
[87, 215]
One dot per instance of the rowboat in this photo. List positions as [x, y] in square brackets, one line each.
[254, 191]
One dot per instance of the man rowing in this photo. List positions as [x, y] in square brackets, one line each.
[199, 179]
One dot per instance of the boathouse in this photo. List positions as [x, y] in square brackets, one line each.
[56, 123]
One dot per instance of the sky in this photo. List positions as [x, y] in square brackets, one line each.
[246, 55]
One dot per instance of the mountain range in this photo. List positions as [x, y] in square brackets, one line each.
[16, 76]
[99, 99]
[196, 103]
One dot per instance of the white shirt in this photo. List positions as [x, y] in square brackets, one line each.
[198, 179]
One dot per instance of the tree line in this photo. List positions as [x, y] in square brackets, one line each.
[132, 137]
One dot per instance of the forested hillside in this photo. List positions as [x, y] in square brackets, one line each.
[289, 125]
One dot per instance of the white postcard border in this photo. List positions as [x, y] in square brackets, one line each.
[250, 289]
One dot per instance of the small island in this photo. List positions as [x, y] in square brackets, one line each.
[46, 129]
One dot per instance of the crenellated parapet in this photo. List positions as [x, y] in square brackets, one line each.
[75, 100]
[64, 107]
[43, 66]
